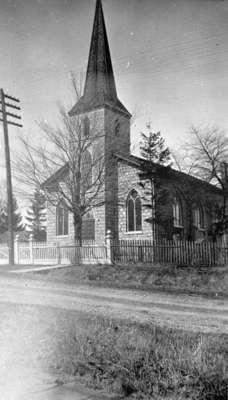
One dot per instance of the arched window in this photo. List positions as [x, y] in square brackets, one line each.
[198, 217]
[134, 212]
[86, 127]
[177, 213]
[61, 219]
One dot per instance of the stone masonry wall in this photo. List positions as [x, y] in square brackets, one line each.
[117, 140]
[128, 180]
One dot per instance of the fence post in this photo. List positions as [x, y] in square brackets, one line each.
[108, 247]
[16, 249]
[30, 249]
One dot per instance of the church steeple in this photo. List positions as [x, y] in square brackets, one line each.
[100, 87]
[100, 78]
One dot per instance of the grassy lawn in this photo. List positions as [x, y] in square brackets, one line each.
[210, 282]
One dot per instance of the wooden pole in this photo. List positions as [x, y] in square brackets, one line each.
[8, 181]
[5, 98]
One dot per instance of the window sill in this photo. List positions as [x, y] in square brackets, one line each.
[199, 228]
[62, 236]
[178, 226]
[133, 232]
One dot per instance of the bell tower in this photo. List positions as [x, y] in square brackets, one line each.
[106, 116]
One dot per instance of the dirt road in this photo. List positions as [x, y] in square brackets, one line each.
[183, 311]
[37, 316]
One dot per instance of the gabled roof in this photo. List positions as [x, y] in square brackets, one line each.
[100, 87]
[139, 162]
[56, 177]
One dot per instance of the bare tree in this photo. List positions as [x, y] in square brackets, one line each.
[74, 160]
[181, 160]
[69, 166]
[208, 148]
[205, 156]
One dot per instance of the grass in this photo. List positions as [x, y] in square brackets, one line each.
[210, 282]
[144, 362]
[128, 360]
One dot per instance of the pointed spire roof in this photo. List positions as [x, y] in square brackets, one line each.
[100, 87]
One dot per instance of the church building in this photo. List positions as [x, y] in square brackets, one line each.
[188, 211]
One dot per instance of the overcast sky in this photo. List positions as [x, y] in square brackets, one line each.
[170, 59]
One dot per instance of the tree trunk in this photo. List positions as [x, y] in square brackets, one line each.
[78, 229]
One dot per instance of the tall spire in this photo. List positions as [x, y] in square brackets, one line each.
[100, 77]
[100, 87]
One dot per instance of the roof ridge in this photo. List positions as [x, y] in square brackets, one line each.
[135, 159]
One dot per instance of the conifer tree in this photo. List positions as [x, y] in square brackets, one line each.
[153, 149]
[36, 216]
[17, 218]
[155, 154]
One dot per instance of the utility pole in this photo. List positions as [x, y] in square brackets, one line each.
[9, 101]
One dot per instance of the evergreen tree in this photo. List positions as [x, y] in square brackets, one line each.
[3, 216]
[153, 149]
[36, 216]
[17, 218]
[155, 154]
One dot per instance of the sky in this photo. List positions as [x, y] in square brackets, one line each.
[170, 60]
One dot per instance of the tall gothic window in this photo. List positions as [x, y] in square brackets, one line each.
[134, 212]
[198, 217]
[177, 213]
[61, 219]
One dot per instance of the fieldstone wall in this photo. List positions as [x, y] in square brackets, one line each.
[128, 179]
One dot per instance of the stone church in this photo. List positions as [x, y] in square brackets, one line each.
[188, 210]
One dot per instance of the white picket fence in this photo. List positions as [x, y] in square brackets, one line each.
[4, 254]
[45, 254]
